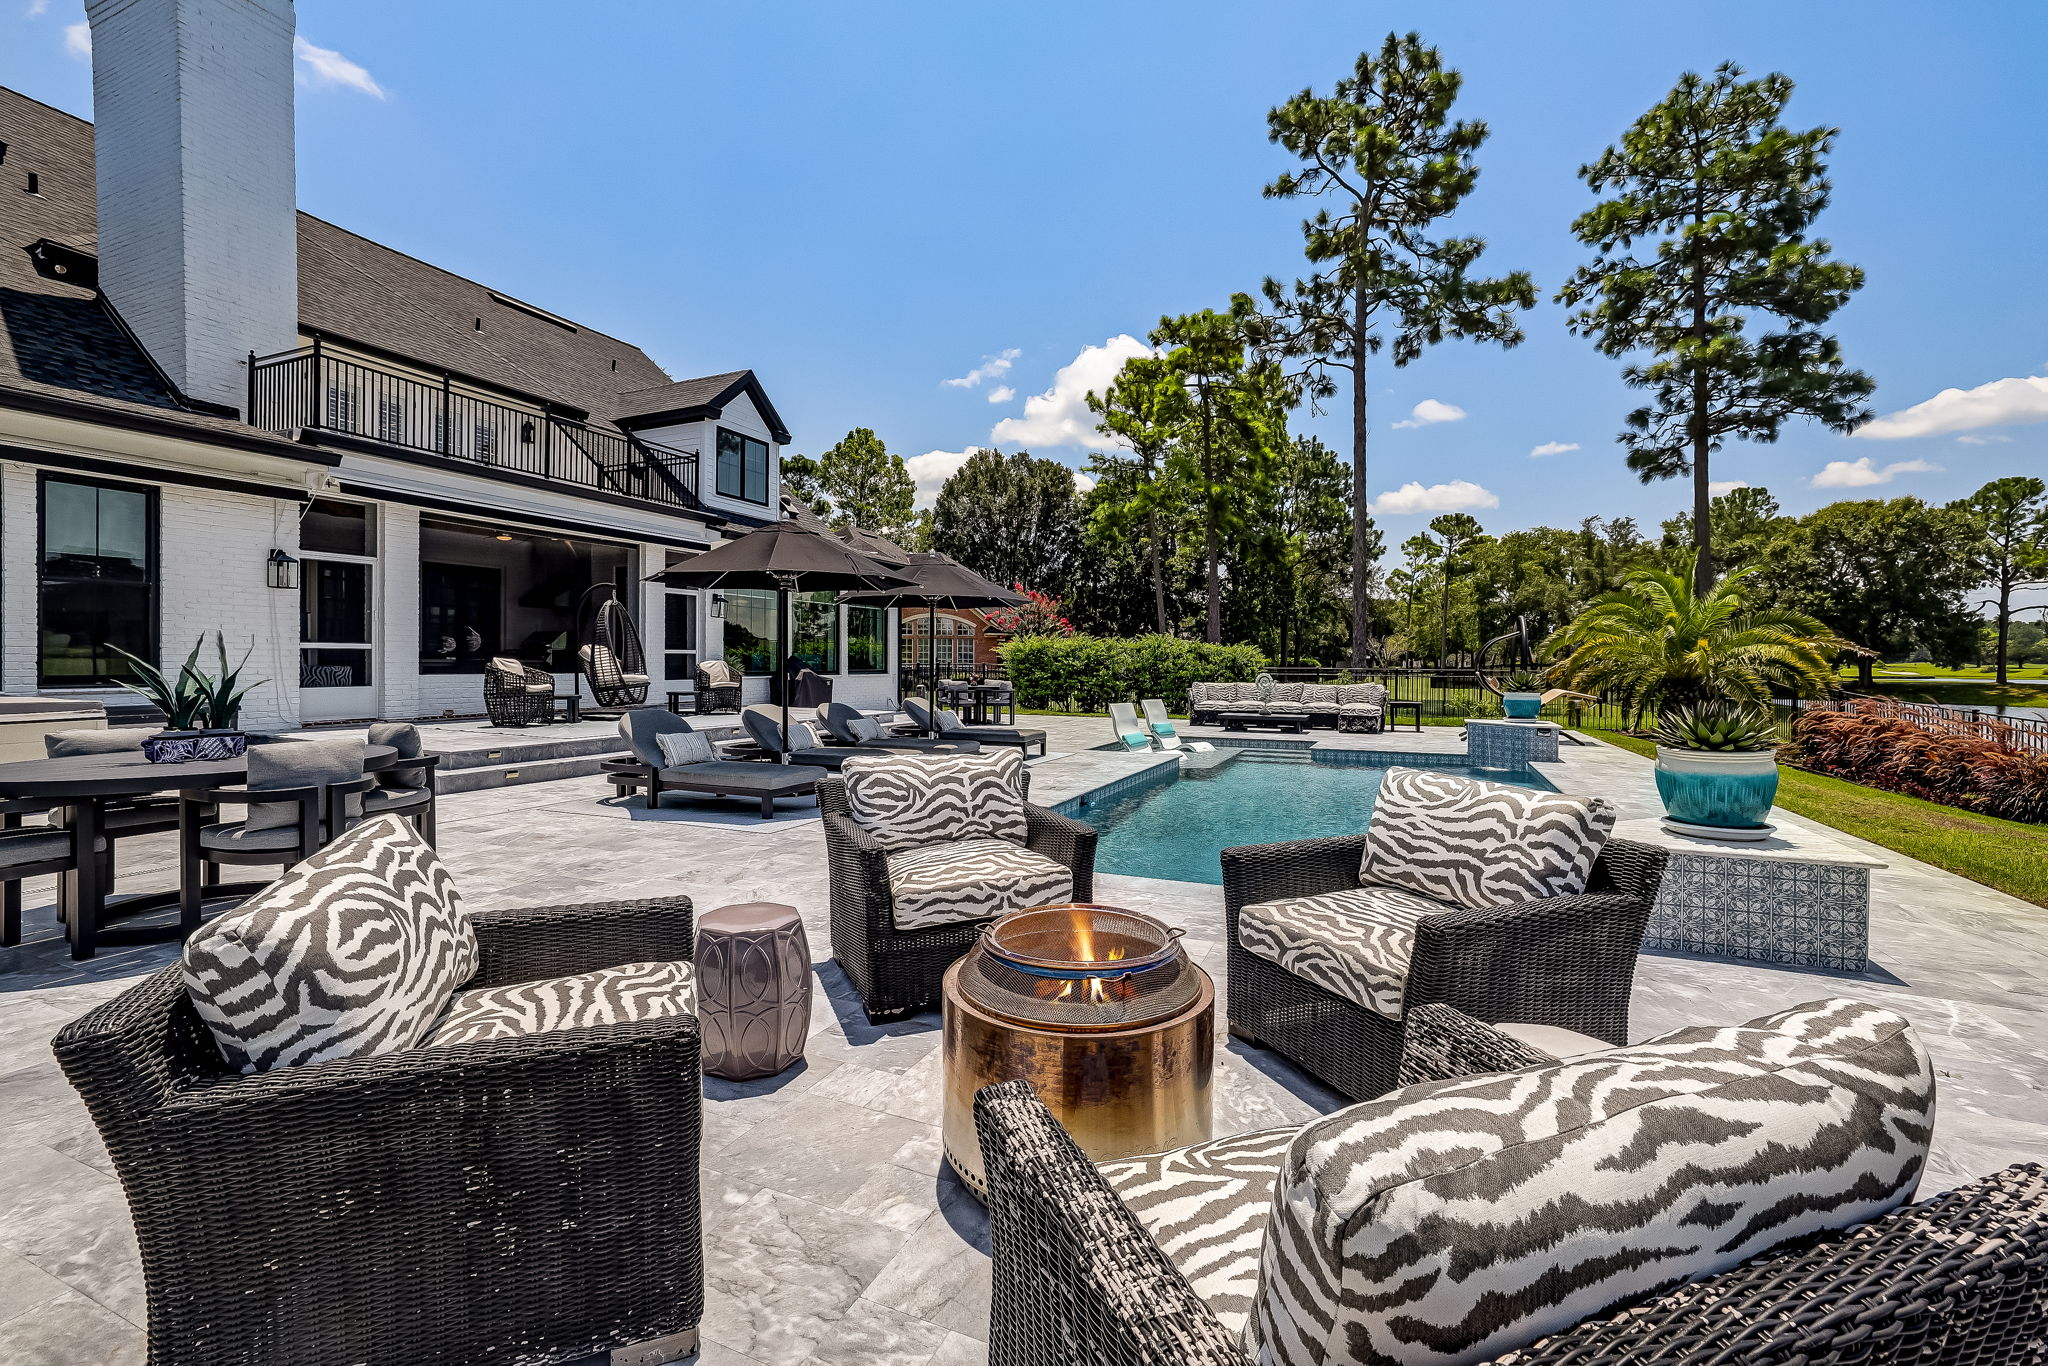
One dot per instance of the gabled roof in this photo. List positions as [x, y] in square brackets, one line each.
[695, 400]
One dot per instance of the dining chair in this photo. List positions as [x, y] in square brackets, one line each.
[26, 852]
[406, 786]
[120, 817]
[299, 795]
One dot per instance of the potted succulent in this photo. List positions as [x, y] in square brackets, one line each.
[202, 711]
[1717, 768]
[1521, 695]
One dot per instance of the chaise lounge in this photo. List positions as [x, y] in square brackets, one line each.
[946, 724]
[665, 761]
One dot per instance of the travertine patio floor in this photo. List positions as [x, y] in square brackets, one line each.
[833, 1232]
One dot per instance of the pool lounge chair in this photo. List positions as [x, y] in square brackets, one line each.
[1123, 720]
[642, 731]
[946, 724]
[805, 747]
[1160, 726]
[847, 726]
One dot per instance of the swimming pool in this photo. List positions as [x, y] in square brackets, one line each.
[1177, 828]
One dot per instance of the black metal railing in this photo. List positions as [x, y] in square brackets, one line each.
[2022, 734]
[315, 388]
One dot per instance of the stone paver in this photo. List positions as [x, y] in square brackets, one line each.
[833, 1231]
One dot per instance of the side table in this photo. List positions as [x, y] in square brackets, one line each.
[753, 989]
[1413, 710]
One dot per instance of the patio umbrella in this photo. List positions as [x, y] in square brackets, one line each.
[940, 581]
[789, 558]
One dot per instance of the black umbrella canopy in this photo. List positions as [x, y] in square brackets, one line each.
[942, 581]
[784, 555]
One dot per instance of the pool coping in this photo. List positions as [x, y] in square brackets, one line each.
[1332, 756]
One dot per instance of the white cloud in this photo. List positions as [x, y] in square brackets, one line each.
[78, 40]
[1429, 412]
[322, 67]
[37, 9]
[2001, 403]
[1861, 473]
[1553, 448]
[1460, 495]
[1717, 487]
[931, 470]
[1060, 416]
[1002, 393]
[991, 367]
[1989, 439]
[1083, 481]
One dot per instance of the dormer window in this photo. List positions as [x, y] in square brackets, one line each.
[742, 467]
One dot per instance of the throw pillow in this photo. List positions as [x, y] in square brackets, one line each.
[864, 728]
[301, 763]
[63, 744]
[1450, 1222]
[1478, 844]
[949, 719]
[353, 953]
[802, 735]
[513, 671]
[906, 800]
[679, 747]
[404, 737]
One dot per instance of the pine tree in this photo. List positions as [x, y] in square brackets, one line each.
[1145, 406]
[868, 485]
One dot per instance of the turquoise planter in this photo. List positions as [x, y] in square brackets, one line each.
[1732, 791]
[1522, 706]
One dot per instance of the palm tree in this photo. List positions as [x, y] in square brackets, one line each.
[1654, 642]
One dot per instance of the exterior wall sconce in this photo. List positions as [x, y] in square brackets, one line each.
[718, 606]
[281, 570]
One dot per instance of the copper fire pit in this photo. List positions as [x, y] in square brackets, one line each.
[1101, 1011]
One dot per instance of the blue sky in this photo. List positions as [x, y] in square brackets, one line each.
[864, 202]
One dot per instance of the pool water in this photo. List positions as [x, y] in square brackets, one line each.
[1177, 829]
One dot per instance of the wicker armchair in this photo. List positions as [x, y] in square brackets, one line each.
[525, 1199]
[517, 694]
[898, 972]
[718, 686]
[1960, 1280]
[1568, 961]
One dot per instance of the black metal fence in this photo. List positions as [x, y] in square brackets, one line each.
[315, 388]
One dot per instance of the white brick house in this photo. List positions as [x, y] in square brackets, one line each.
[195, 378]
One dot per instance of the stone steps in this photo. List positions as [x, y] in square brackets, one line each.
[536, 757]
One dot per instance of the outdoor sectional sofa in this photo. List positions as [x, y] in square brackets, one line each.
[1353, 706]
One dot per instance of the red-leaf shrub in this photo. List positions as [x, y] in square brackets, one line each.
[1871, 746]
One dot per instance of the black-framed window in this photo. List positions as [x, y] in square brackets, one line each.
[814, 631]
[867, 640]
[96, 579]
[750, 630]
[679, 635]
[331, 526]
[742, 467]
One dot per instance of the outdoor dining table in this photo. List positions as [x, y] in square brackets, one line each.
[83, 784]
[981, 704]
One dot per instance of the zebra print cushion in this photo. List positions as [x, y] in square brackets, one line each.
[1286, 692]
[1371, 693]
[1479, 844]
[353, 953]
[1319, 694]
[621, 995]
[1449, 1222]
[1206, 1206]
[907, 800]
[1353, 943]
[943, 884]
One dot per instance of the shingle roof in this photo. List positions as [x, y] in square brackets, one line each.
[691, 399]
[57, 338]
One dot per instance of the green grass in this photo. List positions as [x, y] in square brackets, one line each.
[2016, 671]
[1965, 692]
[2009, 855]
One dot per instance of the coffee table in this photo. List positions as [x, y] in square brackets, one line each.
[1296, 721]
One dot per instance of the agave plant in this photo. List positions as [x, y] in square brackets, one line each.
[1521, 680]
[181, 697]
[224, 691]
[1655, 642]
[1718, 728]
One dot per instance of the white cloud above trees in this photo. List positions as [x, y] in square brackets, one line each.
[1430, 412]
[931, 470]
[1059, 416]
[2001, 403]
[991, 367]
[1413, 499]
[1862, 473]
[1553, 448]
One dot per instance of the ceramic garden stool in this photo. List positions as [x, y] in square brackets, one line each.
[753, 989]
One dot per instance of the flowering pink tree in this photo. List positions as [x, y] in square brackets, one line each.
[1039, 616]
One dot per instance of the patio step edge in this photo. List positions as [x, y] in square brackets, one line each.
[477, 777]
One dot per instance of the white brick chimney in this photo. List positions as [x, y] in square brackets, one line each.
[198, 225]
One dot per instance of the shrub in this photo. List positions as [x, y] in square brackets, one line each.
[1973, 772]
[1087, 673]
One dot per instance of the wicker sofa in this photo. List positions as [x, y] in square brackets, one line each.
[1958, 1280]
[520, 1198]
[898, 971]
[1567, 961]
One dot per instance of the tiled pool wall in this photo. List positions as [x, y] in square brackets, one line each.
[1334, 757]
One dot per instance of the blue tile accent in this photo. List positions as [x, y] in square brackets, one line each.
[1132, 782]
[1507, 744]
[1764, 910]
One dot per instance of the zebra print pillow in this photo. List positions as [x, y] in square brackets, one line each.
[353, 953]
[1477, 844]
[1446, 1223]
[621, 995]
[905, 800]
[1206, 1206]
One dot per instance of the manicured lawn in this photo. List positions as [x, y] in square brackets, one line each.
[1958, 691]
[2008, 855]
[2016, 671]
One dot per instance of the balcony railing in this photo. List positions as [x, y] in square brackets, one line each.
[315, 388]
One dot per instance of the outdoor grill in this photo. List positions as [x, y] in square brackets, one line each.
[1102, 1011]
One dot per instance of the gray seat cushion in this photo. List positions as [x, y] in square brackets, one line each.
[740, 774]
[300, 763]
[32, 845]
[1477, 844]
[237, 838]
[1454, 1221]
[906, 800]
[381, 799]
[354, 953]
[1207, 1207]
[404, 737]
[620, 995]
[1355, 944]
[64, 744]
[971, 879]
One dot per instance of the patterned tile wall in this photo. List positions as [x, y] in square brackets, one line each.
[1767, 910]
